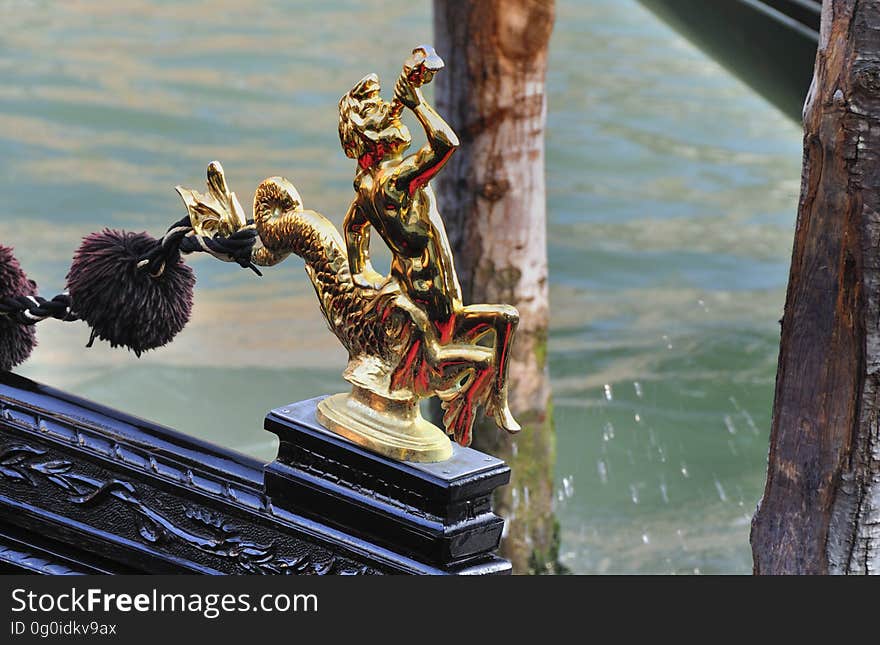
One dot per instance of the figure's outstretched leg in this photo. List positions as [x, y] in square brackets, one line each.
[472, 323]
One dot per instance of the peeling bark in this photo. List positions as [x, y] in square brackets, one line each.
[820, 512]
[491, 194]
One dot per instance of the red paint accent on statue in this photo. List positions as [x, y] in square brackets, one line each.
[503, 347]
[464, 426]
[446, 328]
[398, 379]
[372, 156]
[423, 380]
[426, 176]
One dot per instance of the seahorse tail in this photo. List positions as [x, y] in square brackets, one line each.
[286, 227]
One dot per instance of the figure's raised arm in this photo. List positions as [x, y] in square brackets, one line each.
[356, 230]
[416, 170]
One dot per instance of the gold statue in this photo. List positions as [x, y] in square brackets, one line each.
[408, 334]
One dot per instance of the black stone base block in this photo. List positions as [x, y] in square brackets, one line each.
[438, 513]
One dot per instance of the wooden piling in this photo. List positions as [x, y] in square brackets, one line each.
[820, 512]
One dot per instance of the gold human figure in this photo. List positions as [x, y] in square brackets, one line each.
[408, 334]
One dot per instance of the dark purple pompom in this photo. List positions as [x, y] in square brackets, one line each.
[123, 304]
[17, 341]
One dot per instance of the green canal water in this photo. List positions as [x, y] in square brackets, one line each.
[672, 193]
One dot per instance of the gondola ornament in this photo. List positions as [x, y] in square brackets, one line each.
[361, 482]
[408, 335]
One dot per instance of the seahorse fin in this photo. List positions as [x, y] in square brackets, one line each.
[217, 211]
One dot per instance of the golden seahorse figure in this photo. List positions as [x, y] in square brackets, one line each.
[408, 335]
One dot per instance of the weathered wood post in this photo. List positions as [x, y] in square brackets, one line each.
[491, 194]
[821, 507]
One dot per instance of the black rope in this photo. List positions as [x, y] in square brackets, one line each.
[237, 247]
[167, 249]
[29, 310]
[180, 238]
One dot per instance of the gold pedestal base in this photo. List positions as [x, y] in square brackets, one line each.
[391, 428]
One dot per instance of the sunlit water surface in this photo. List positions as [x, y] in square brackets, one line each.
[672, 194]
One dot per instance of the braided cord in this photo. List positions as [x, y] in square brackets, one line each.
[237, 247]
[181, 238]
[29, 310]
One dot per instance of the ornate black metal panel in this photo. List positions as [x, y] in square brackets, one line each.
[87, 489]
